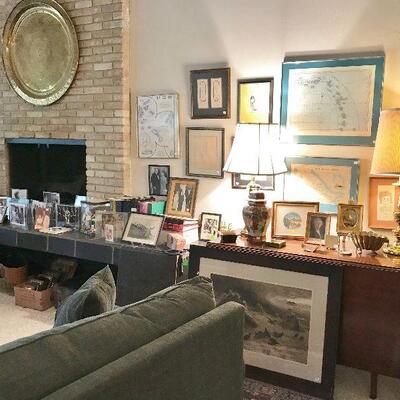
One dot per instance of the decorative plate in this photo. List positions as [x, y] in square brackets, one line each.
[40, 51]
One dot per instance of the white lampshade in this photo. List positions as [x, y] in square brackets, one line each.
[254, 153]
[386, 159]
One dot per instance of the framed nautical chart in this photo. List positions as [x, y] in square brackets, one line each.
[158, 126]
[332, 101]
[329, 181]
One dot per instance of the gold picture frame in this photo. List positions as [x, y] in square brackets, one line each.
[181, 200]
[350, 218]
[317, 228]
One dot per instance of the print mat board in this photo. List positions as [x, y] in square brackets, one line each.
[329, 181]
[158, 126]
[291, 306]
[340, 99]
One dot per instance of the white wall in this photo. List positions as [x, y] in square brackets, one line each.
[171, 37]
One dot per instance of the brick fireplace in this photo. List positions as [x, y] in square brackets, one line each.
[95, 109]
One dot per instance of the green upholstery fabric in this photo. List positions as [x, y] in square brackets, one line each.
[201, 360]
[34, 367]
[94, 297]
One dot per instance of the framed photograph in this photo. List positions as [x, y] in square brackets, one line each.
[181, 200]
[19, 194]
[289, 219]
[255, 99]
[158, 126]
[318, 228]
[205, 152]
[41, 216]
[211, 93]
[109, 233]
[143, 229]
[51, 197]
[117, 220]
[383, 201]
[68, 216]
[158, 180]
[89, 219]
[209, 226]
[329, 181]
[3, 213]
[18, 215]
[292, 313]
[332, 100]
[349, 219]
[240, 181]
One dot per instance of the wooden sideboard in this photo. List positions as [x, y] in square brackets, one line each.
[369, 337]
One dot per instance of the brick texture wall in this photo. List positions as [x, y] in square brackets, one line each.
[96, 107]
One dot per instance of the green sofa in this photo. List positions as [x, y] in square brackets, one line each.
[174, 345]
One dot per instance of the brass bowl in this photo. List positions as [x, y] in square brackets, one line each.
[368, 241]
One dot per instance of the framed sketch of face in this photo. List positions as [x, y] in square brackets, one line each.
[350, 217]
[209, 226]
[181, 199]
[158, 180]
[318, 227]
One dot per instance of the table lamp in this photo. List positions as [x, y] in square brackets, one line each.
[386, 159]
[253, 154]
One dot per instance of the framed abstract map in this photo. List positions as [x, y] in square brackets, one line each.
[329, 181]
[158, 126]
[332, 101]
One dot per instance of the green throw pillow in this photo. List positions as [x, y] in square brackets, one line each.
[94, 297]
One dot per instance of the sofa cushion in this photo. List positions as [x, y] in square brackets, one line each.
[94, 297]
[36, 366]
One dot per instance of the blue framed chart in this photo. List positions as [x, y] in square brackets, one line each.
[332, 101]
[329, 181]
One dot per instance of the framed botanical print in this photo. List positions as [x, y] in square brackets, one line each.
[158, 126]
[329, 181]
[211, 93]
[205, 149]
[318, 228]
[349, 219]
[209, 226]
[289, 219]
[181, 200]
[255, 99]
[383, 201]
[332, 100]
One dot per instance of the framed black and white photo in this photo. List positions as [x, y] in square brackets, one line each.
[318, 228]
[209, 226]
[19, 194]
[68, 216]
[158, 180]
[255, 99]
[143, 229]
[181, 201]
[3, 213]
[51, 197]
[292, 311]
[211, 93]
[205, 149]
[18, 215]
[240, 181]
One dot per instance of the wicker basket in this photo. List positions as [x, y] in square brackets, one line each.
[37, 300]
[15, 276]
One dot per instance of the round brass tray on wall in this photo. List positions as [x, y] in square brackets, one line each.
[40, 51]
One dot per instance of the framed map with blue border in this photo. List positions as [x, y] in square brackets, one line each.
[332, 101]
[329, 181]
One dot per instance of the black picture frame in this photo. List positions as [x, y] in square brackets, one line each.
[297, 263]
[267, 119]
[153, 189]
[203, 104]
[219, 174]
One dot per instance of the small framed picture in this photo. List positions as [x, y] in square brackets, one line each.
[383, 201]
[205, 149]
[211, 93]
[18, 215]
[181, 200]
[158, 180]
[240, 181]
[51, 197]
[289, 219]
[255, 97]
[117, 220]
[89, 217]
[42, 217]
[109, 232]
[209, 226]
[143, 229]
[349, 219]
[318, 228]
[19, 194]
[68, 216]
[3, 213]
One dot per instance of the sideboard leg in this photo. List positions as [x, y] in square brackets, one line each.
[373, 394]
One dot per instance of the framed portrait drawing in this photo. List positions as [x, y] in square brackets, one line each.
[292, 313]
[181, 200]
[332, 100]
[349, 219]
[205, 149]
[158, 179]
[209, 226]
[318, 228]
[329, 181]
[210, 93]
[383, 201]
[157, 126]
[289, 219]
[255, 99]
[143, 229]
